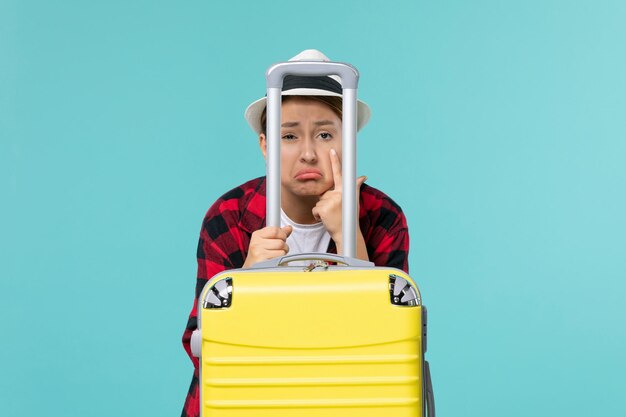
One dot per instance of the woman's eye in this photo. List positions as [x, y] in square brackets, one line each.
[326, 135]
[289, 136]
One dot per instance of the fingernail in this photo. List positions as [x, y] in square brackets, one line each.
[333, 151]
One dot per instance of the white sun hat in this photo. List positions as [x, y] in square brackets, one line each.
[307, 86]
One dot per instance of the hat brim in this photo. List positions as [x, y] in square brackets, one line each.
[255, 110]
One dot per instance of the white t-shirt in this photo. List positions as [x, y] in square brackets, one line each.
[305, 238]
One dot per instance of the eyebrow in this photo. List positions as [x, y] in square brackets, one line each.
[318, 123]
[324, 122]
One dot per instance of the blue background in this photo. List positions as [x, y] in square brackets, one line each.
[498, 126]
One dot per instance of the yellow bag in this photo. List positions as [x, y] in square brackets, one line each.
[320, 341]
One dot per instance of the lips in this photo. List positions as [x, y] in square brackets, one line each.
[308, 174]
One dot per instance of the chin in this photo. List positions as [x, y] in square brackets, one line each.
[309, 192]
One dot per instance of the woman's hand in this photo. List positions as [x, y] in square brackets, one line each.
[328, 208]
[267, 243]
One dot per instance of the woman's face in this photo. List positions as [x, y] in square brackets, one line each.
[310, 129]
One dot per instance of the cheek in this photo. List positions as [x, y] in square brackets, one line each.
[327, 168]
[287, 159]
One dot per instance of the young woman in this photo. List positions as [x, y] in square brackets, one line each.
[233, 233]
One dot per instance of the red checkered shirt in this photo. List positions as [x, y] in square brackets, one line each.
[228, 226]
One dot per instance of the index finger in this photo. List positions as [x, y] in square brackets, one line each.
[335, 164]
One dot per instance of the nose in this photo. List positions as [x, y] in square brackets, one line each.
[308, 152]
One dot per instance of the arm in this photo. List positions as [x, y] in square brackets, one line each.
[361, 246]
[385, 230]
[222, 245]
[393, 250]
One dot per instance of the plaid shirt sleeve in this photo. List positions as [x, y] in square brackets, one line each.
[223, 245]
[384, 228]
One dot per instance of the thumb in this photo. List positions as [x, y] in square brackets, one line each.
[359, 183]
[287, 230]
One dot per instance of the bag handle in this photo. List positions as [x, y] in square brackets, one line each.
[349, 80]
[328, 257]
